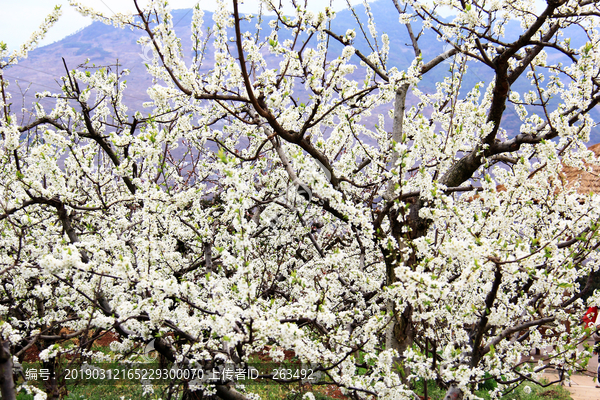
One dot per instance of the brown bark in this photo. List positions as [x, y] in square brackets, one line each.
[7, 384]
[401, 331]
[51, 384]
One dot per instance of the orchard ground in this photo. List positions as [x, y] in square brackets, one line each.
[580, 387]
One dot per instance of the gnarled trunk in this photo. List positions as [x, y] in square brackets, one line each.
[453, 393]
[7, 384]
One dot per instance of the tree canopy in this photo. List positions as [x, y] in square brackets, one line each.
[280, 192]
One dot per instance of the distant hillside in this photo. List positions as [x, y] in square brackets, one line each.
[105, 45]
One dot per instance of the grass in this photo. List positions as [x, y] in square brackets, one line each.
[106, 392]
[130, 389]
[273, 391]
[270, 391]
[538, 392]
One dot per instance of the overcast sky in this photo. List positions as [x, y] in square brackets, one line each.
[22, 17]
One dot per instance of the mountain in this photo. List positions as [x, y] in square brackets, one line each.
[106, 45]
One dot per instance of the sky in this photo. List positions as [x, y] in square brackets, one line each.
[22, 17]
[25, 16]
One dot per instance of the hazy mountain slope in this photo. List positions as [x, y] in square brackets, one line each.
[105, 45]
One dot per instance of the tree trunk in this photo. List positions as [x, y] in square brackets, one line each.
[7, 384]
[51, 384]
[400, 333]
[453, 393]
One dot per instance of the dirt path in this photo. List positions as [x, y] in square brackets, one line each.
[582, 387]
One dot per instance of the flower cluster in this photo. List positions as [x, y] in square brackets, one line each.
[264, 203]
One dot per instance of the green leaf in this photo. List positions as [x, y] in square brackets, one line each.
[222, 156]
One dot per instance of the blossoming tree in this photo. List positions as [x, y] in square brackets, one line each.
[256, 207]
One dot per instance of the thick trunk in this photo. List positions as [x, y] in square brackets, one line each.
[51, 384]
[224, 392]
[453, 393]
[400, 333]
[227, 392]
[7, 384]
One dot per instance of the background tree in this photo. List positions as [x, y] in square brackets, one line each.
[256, 206]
